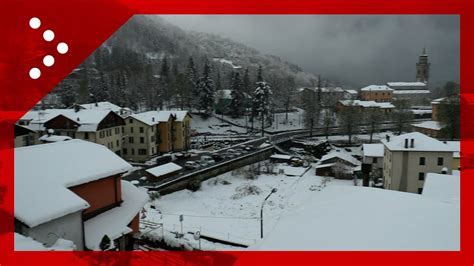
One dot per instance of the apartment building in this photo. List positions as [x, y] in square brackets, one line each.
[103, 127]
[377, 93]
[409, 157]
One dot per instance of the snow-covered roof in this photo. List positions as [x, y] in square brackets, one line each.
[87, 119]
[43, 174]
[367, 104]
[324, 165]
[434, 125]
[455, 147]
[105, 106]
[293, 171]
[438, 101]
[421, 143]
[373, 150]
[24, 243]
[114, 222]
[376, 88]
[351, 91]
[357, 218]
[411, 92]
[441, 187]
[327, 89]
[155, 117]
[164, 169]
[406, 84]
[280, 156]
[54, 138]
[341, 155]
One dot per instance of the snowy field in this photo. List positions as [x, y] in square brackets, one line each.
[227, 207]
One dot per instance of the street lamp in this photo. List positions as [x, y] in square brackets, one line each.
[261, 211]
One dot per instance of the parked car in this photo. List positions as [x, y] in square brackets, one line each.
[208, 159]
[191, 165]
[217, 157]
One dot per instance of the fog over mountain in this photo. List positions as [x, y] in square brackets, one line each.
[354, 50]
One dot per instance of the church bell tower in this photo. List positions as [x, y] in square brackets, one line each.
[423, 67]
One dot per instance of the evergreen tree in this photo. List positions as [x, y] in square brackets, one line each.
[206, 88]
[165, 83]
[260, 74]
[191, 92]
[261, 104]
[105, 243]
[100, 92]
[68, 96]
[246, 82]
[236, 106]
[449, 117]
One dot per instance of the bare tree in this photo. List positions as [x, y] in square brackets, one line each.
[373, 117]
[349, 118]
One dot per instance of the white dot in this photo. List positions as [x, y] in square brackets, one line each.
[62, 48]
[48, 60]
[35, 23]
[35, 73]
[48, 35]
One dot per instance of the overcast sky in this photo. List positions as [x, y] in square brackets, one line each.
[361, 50]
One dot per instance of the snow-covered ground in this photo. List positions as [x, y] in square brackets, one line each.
[227, 207]
[214, 125]
[295, 121]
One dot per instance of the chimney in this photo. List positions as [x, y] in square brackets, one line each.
[78, 119]
[412, 143]
[387, 137]
[444, 171]
[153, 119]
[77, 108]
[406, 143]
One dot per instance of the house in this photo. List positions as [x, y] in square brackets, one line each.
[456, 148]
[73, 190]
[377, 93]
[180, 129]
[150, 133]
[350, 94]
[373, 154]
[413, 92]
[384, 107]
[105, 106]
[430, 128]
[280, 158]
[338, 164]
[98, 126]
[24, 136]
[163, 171]
[409, 157]
[359, 218]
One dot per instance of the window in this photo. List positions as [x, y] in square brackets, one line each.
[86, 135]
[142, 130]
[123, 129]
[117, 130]
[374, 160]
[124, 151]
[152, 138]
[118, 143]
[440, 160]
[142, 140]
[130, 121]
[131, 130]
[142, 151]
[422, 160]
[133, 151]
[421, 176]
[420, 190]
[130, 140]
[152, 129]
[152, 150]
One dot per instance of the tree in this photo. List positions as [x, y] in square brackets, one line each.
[165, 83]
[260, 74]
[246, 82]
[192, 94]
[449, 117]
[401, 116]
[100, 92]
[289, 90]
[68, 96]
[262, 103]
[349, 118]
[206, 88]
[451, 88]
[373, 116]
[105, 243]
[236, 106]
[311, 104]
[179, 87]
[328, 121]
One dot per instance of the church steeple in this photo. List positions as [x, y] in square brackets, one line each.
[423, 67]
